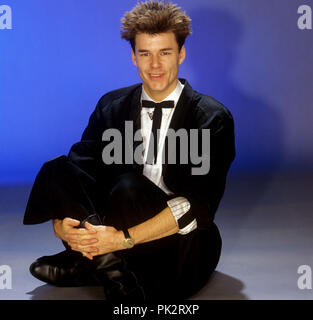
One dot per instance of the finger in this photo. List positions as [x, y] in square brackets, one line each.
[82, 231]
[74, 248]
[71, 222]
[94, 254]
[72, 242]
[90, 227]
[88, 248]
[80, 238]
[86, 242]
[88, 255]
[83, 243]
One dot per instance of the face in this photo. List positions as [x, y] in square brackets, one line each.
[157, 59]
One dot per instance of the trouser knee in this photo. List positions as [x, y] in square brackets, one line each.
[133, 200]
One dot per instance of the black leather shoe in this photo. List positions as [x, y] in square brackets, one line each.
[65, 269]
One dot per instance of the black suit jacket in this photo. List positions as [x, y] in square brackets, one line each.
[193, 111]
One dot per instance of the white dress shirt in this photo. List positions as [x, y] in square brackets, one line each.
[179, 205]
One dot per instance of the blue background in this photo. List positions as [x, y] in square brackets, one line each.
[62, 56]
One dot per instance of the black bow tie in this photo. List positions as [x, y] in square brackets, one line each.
[157, 105]
[157, 118]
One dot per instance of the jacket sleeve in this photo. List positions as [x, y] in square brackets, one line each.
[204, 192]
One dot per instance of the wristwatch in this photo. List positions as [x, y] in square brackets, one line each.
[128, 241]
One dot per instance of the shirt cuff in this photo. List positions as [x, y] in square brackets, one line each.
[180, 208]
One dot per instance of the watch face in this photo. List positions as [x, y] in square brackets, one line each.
[129, 243]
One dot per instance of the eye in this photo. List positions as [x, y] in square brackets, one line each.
[146, 54]
[164, 53]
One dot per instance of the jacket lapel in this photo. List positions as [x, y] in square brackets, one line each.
[134, 115]
[183, 107]
[180, 117]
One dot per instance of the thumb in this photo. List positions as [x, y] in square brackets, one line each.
[72, 222]
[90, 227]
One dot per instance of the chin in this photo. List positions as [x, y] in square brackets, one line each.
[156, 86]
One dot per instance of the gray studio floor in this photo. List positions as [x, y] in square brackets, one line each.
[266, 224]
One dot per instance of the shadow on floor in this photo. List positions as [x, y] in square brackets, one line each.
[48, 292]
[221, 287]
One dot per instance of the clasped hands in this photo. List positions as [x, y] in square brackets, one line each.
[90, 241]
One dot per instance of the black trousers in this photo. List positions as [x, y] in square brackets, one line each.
[171, 267]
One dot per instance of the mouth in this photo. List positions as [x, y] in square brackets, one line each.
[155, 76]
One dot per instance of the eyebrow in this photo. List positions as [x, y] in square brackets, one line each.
[164, 49]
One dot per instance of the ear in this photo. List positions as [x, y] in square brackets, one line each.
[133, 57]
[182, 55]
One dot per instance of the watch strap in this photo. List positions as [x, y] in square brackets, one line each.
[126, 233]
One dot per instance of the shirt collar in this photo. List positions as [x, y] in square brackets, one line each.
[174, 95]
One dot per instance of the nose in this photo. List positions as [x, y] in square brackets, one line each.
[155, 61]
